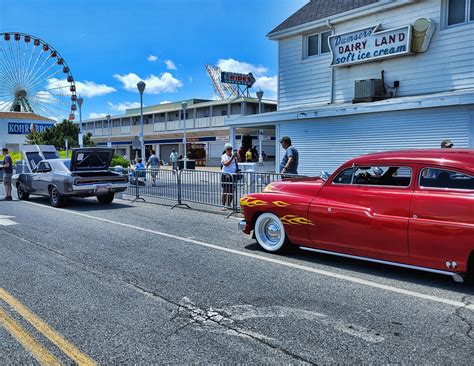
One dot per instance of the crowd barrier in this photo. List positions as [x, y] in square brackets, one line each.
[204, 187]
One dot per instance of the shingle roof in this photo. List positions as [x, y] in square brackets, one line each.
[23, 115]
[320, 9]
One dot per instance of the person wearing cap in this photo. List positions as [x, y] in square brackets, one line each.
[229, 168]
[174, 159]
[289, 162]
[447, 144]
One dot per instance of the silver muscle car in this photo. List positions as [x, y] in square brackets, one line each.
[86, 174]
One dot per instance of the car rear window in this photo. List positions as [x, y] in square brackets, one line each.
[446, 179]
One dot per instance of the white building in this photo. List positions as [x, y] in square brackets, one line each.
[14, 126]
[163, 128]
[427, 92]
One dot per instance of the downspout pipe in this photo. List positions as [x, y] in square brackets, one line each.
[331, 81]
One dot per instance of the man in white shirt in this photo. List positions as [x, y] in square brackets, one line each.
[174, 159]
[229, 169]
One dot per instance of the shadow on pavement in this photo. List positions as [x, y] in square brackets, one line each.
[82, 204]
[373, 269]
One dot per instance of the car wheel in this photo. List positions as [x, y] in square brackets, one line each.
[270, 232]
[55, 198]
[106, 198]
[21, 193]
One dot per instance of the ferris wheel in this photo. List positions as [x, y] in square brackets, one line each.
[35, 78]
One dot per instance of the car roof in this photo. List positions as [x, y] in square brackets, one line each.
[455, 158]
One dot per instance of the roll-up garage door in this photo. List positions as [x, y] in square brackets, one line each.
[324, 144]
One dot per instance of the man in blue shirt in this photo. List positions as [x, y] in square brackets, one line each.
[289, 162]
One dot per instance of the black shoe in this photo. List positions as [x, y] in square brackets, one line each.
[8, 198]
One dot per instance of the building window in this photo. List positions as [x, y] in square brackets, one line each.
[459, 12]
[317, 44]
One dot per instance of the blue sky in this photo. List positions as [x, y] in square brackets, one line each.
[109, 45]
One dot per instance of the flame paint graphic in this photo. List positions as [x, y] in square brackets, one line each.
[280, 203]
[251, 202]
[295, 220]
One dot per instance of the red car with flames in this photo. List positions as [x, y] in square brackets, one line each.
[413, 209]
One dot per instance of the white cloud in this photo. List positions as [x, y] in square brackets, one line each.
[97, 115]
[231, 65]
[85, 89]
[268, 84]
[123, 106]
[170, 65]
[152, 58]
[166, 102]
[165, 83]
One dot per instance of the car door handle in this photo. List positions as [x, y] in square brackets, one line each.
[415, 216]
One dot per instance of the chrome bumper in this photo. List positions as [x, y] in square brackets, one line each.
[242, 225]
[93, 187]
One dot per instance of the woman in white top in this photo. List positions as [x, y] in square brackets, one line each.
[229, 168]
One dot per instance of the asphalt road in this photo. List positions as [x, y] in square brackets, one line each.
[145, 284]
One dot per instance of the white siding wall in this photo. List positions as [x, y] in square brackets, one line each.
[447, 65]
[325, 144]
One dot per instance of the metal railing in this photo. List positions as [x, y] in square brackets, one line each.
[212, 188]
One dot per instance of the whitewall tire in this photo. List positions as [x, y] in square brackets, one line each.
[270, 232]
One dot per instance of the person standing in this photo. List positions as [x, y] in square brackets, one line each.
[7, 166]
[229, 169]
[154, 164]
[447, 144]
[174, 159]
[248, 155]
[289, 162]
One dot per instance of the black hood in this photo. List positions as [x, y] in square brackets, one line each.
[91, 158]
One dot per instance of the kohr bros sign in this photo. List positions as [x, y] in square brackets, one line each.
[16, 128]
[370, 44]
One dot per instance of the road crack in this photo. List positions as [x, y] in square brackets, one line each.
[197, 317]
[459, 314]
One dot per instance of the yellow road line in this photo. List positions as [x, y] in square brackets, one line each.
[56, 338]
[41, 354]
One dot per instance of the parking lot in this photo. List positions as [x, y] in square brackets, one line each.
[143, 283]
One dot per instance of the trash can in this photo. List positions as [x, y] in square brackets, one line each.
[190, 164]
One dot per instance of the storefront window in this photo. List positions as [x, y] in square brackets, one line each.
[459, 11]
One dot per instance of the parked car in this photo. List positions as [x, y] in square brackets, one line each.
[86, 174]
[412, 209]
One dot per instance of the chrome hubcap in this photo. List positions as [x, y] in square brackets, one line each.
[54, 194]
[270, 232]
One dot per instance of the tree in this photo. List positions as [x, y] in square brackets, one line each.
[58, 134]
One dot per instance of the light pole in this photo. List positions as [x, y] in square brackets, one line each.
[81, 137]
[109, 144]
[184, 105]
[141, 88]
[260, 131]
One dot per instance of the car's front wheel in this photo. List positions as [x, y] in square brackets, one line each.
[106, 198]
[55, 198]
[21, 193]
[270, 232]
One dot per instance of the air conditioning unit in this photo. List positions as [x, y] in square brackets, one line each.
[368, 90]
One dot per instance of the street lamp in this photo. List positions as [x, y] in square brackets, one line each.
[109, 144]
[260, 131]
[184, 105]
[81, 137]
[141, 88]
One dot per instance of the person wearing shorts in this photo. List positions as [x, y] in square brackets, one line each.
[154, 164]
[7, 166]
[229, 168]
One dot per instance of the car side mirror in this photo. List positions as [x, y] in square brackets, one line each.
[324, 175]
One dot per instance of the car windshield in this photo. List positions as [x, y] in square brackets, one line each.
[60, 165]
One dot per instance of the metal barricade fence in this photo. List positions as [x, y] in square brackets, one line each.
[253, 182]
[205, 187]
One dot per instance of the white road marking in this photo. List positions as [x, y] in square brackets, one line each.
[5, 220]
[301, 267]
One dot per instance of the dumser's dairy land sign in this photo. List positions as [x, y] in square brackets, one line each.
[369, 44]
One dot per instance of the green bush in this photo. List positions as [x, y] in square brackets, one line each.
[15, 156]
[120, 160]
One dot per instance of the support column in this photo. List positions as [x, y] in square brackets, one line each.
[232, 136]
